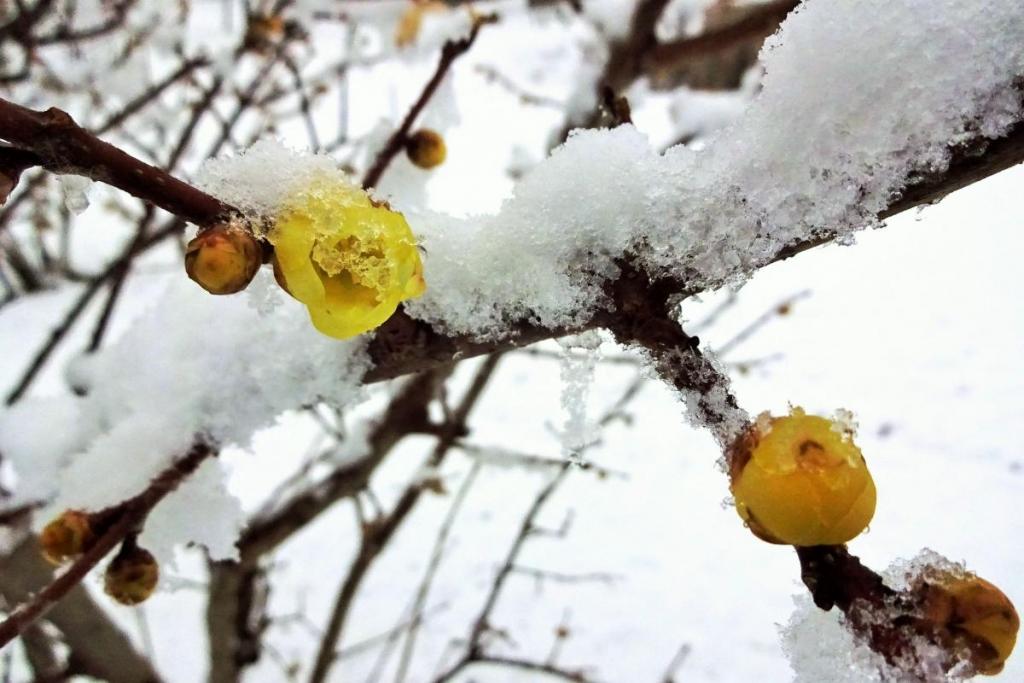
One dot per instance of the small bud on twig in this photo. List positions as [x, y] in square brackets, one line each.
[66, 537]
[971, 615]
[426, 148]
[223, 259]
[132, 576]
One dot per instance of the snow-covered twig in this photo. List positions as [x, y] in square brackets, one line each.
[125, 519]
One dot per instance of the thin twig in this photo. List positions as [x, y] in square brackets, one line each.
[419, 602]
[377, 533]
[451, 51]
[779, 309]
[130, 515]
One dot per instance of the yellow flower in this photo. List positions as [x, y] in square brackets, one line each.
[349, 261]
[973, 614]
[800, 480]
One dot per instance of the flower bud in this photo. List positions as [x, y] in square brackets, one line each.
[223, 259]
[131, 576]
[66, 537]
[279, 275]
[800, 480]
[426, 148]
[974, 616]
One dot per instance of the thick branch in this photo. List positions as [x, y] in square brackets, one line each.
[404, 345]
[63, 146]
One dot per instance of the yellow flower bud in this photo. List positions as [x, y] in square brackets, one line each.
[426, 148]
[223, 260]
[131, 576]
[974, 615]
[800, 480]
[66, 537]
[349, 261]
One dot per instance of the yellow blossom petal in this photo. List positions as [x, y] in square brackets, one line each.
[350, 262]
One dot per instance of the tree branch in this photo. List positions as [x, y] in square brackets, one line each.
[126, 519]
[87, 631]
[763, 20]
[63, 146]
[451, 51]
[403, 345]
[377, 533]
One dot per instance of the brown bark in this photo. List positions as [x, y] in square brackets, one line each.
[98, 647]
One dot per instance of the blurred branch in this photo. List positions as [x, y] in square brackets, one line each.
[474, 654]
[233, 640]
[762, 20]
[92, 287]
[678, 659]
[624, 63]
[779, 309]
[405, 414]
[475, 643]
[40, 650]
[420, 601]
[150, 94]
[85, 629]
[65, 34]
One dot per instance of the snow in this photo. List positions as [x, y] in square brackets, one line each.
[75, 190]
[35, 448]
[820, 648]
[827, 144]
[260, 179]
[200, 512]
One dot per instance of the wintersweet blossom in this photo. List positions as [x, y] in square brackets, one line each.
[800, 480]
[349, 260]
[975, 614]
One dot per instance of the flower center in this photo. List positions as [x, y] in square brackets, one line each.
[356, 267]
